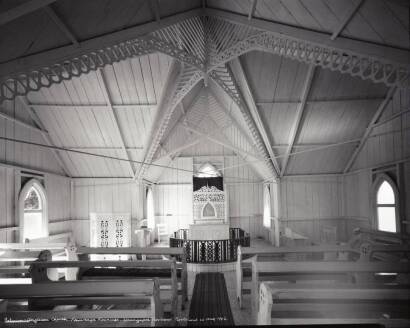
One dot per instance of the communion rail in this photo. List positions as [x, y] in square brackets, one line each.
[210, 251]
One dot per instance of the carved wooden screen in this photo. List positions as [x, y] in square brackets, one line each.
[110, 229]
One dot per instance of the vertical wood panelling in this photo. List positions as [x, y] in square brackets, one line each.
[58, 202]
[6, 203]
[389, 142]
[104, 195]
[309, 204]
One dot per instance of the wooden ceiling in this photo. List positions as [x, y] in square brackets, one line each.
[278, 115]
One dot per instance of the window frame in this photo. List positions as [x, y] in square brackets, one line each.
[382, 177]
[41, 191]
[267, 197]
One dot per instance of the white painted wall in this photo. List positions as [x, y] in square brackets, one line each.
[58, 195]
[173, 195]
[389, 147]
[105, 196]
[307, 204]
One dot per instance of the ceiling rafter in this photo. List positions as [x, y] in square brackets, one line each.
[97, 148]
[378, 63]
[154, 7]
[20, 76]
[252, 9]
[370, 127]
[223, 143]
[61, 25]
[324, 101]
[348, 17]
[23, 9]
[64, 107]
[22, 123]
[46, 137]
[298, 117]
[225, 80]
[183, 117]
[228, 34]
[247, 93]
[181, 79]
[234, 121]
[107, 98]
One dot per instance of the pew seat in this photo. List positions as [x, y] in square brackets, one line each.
[283, 304]
[96, 303]
[168, 283]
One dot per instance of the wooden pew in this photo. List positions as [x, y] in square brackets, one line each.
[361, 235]
[41, 272]
[304, 304]
[244, 267]
[382, 252]
[84, 293]
[320, 271]
[290, 238]
[58, 245]
[166, 252]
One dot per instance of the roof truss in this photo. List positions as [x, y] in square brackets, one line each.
[220, 36]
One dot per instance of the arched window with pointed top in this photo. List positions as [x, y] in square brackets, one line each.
[386, 204]
[33, 211]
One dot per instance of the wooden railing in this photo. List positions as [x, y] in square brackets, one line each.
[211, 251]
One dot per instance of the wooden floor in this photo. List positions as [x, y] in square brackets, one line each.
[210, 304]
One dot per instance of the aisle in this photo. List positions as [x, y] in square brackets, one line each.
[210, 302]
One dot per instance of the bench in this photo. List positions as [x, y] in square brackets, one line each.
[163, 252]
[320, 272]
[361, 235]
[42, 271]
[326, 252]
[304, 304]
[57, 245]
[110, 295]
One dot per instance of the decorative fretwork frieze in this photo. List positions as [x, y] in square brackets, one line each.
[186, 80]
[223, 76]
[206, 42]
[355, 64]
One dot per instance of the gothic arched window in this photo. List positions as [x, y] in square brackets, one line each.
[33, 209]
[386, 205]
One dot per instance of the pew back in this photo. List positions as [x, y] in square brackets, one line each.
[323, 272]
[41, 271]
[287, 304]
[115, 292]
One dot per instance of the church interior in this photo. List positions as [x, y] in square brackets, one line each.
[204, 162]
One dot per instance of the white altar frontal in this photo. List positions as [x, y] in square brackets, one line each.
[218, 231]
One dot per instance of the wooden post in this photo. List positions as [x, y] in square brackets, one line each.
[255, 286]
[156, 305]
[174, 289]
[239, 276]
[184, 277]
